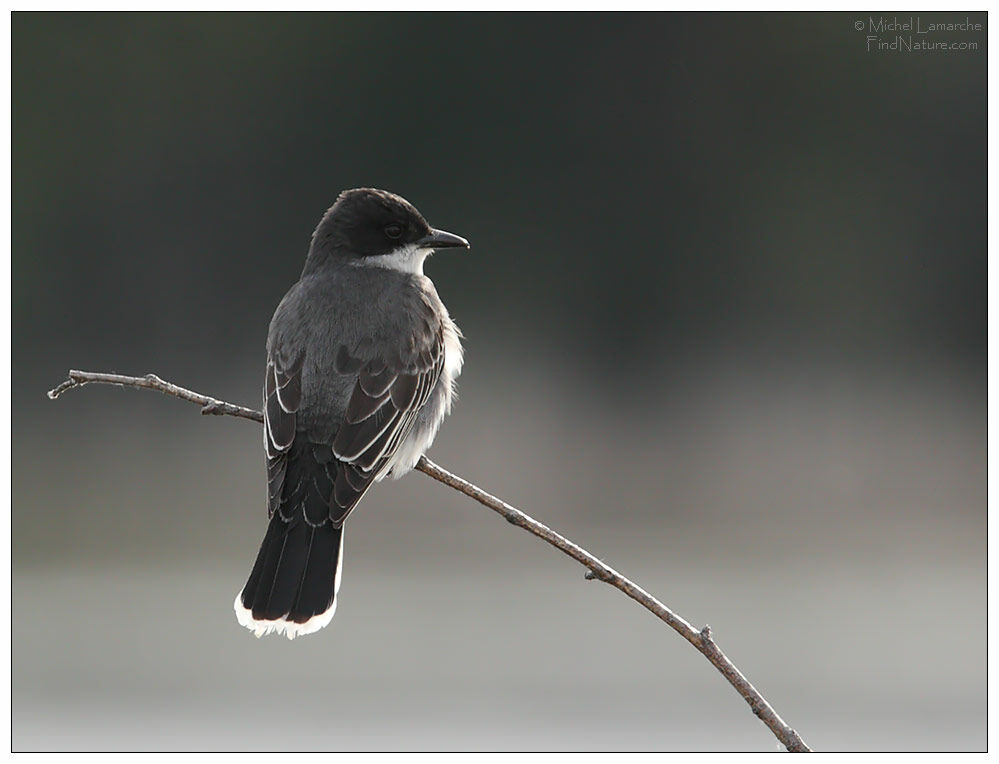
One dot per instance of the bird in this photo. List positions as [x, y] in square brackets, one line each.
[362, 358]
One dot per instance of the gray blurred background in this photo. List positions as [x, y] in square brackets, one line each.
[725, 327]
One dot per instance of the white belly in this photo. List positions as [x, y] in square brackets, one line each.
[429, 419]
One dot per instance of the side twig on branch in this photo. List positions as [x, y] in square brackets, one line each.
[701, 639]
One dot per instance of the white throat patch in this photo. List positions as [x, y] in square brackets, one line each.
[408, 259]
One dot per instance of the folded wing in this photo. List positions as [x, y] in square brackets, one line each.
[325, 481]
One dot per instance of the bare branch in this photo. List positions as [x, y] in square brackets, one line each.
[700, 639]
[208, 404]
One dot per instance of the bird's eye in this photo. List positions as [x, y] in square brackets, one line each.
[393, 230]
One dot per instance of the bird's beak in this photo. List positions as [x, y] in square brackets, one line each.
[437, 239]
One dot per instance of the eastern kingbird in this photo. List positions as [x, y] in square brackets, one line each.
[362, 358]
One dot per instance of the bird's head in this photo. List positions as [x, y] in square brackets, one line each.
[367, 226]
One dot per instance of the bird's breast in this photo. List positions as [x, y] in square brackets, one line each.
[454, 357]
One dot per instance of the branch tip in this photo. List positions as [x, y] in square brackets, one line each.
[55, 392]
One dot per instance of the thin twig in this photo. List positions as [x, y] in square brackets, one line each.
[700, 639]
[208, 404]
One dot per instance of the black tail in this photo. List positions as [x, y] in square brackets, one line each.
[292, 588]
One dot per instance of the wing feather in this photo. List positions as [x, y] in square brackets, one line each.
[390, 388]
[353, 441]
[380, 416]
[282, 398]
[288, 380]
[361, 406]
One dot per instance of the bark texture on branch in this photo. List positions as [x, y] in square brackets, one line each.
[701, 639]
